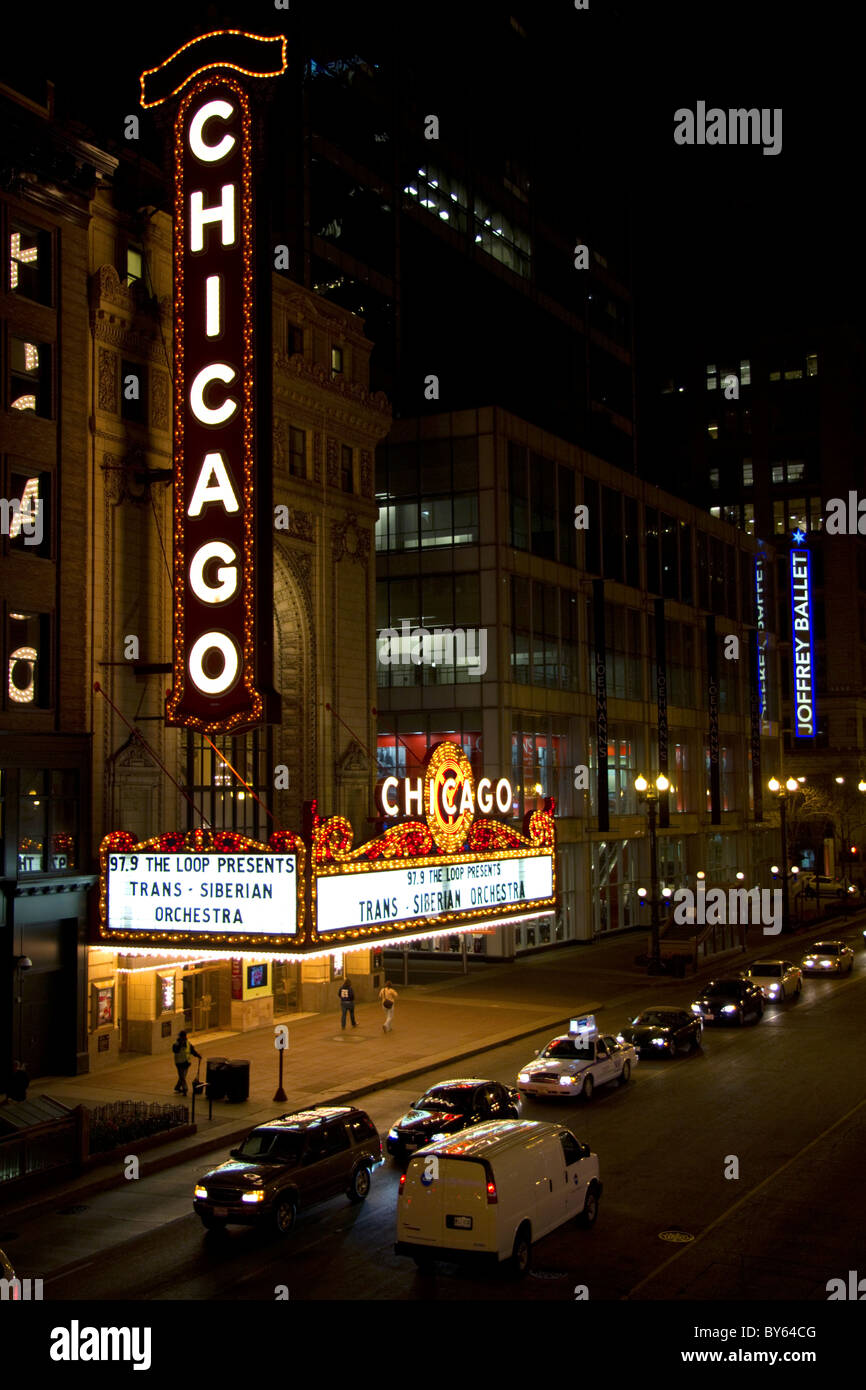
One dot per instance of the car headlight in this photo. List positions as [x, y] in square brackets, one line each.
[729, 1008]
[566, 1081]
[253, 1197]
[658, 1042]
[775, 989]
[524, 1076]
[438, 1136]
[696, 1008]
[620, 1038]
[392, 1134]
[200, 1191]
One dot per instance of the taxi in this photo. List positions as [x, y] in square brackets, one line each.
[576, 1062]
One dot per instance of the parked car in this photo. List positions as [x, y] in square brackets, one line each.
[828, 958]
[291, 1162]
[487, 1194]
[575, 1063]
[729, 1001]
[776, 979]
[662, 1031]
[447, 1108]
[805, 886]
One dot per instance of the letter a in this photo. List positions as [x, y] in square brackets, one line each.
[684, 127]
[837, 521]
[581, 256]
[581, 517]
[221, 491]
[431, 388]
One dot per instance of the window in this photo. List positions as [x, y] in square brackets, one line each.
[611, 525]
[712, 377]
[336, 362]
[713, 429]
[436, 505]
[336, 1140]
[30, 262]
[30, 530]
[714, 479]
[745, 372]
[812, 364]
[134, 269]
[294, 341]
[361, 1127]
[226, 804]
[748, 473]
[297, 452]
[501, 238]
[777, 473]
[48, 827]
[442, 196]
[30, 376]
[28, 665]
[520, 630]
[542, 493]
[347, 480]
[133, 392]
[570, 1148]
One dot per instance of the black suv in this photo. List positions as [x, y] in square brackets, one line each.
[729, 1001]
[294, 1161]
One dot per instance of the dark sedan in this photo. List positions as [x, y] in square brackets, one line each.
[448, 1107]
[662, 1032]
[729, 1001]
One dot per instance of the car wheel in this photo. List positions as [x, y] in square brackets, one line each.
[625, 1074]
[589, 1214]
[285, 1215]
[212, 1223]
[587, 1088]
[520, 1254]
[360, 1184]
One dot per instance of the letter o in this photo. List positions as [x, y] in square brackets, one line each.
[503, 795]
[227, 574]
[210, 154]
[221, 642]
[212, 415]
[484, 796]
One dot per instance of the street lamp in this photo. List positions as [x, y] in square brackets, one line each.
[651, 794]
[782, 794]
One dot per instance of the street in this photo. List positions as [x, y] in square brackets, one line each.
[785, 1098]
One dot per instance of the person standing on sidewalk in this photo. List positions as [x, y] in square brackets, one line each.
[346, 996]
[388, 996]
[183, 1052]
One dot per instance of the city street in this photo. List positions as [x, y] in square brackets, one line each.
[785, 1098]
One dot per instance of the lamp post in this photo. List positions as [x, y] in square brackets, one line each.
[782, 794]
[650, 794]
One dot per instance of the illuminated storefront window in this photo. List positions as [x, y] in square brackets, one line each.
[27, 664]
[29, 263]
[30, 376]
[48, 821]
[223, 799]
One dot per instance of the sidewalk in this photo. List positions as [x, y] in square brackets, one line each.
[436, 1026]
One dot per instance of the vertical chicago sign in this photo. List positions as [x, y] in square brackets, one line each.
[215, 687]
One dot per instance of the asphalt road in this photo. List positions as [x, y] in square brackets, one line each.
[785, 1098]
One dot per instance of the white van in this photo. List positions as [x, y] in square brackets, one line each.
[487, 1193]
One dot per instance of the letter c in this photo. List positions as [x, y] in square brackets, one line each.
[210, 154]
[388, 806]
[449, 786]
[212, 415]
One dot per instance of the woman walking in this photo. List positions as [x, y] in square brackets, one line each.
[388, 996]
[183, 1052]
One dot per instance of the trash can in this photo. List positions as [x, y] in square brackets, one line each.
[237, 1076]
[216, 1075]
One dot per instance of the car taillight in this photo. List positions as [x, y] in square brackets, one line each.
[402, 1184]
[491, 1194]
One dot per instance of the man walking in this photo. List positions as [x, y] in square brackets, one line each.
[346, 996]
[388, 996]
[183, 1052]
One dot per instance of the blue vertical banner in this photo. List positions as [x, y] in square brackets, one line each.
[802, 647]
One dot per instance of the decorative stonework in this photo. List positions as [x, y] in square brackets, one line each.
[106, 285]
[107, 373]
[317, 456]
[159, 401]
[333, 466]
[279, 443]
[120, 478]
[319, 375]
[354, 762]
[300, 524]
[347, 538]
[366, 474]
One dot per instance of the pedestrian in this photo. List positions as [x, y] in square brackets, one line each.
[16, 1086]
[388, 996]
[346, 996]
[183, 1050]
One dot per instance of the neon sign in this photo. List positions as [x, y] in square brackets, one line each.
[446, 795]
[761, 638]
[803, 654]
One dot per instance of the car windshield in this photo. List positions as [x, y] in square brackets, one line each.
[774, 968]
[652, 1019]
[568, 1047]
[825, 948]
[721, 988]
[458, 1099]
[271, 1146]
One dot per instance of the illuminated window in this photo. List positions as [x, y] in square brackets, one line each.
[745, 372]
[795, 374]
[712, 377]
[777, 473]
[775, 376]
[748, 473]
[297, 452]
[714, 478]
[812, 364]
[441, 195]
[713, 429]
[501, 238]
[28, 527]
[226, 802]
[27, 660]
[134, 264]
[716, 511]
[30, 263]
[336, 361]
[749, 518]
[30, 376]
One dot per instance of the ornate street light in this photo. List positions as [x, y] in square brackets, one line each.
[650, 795]
[782, 794]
